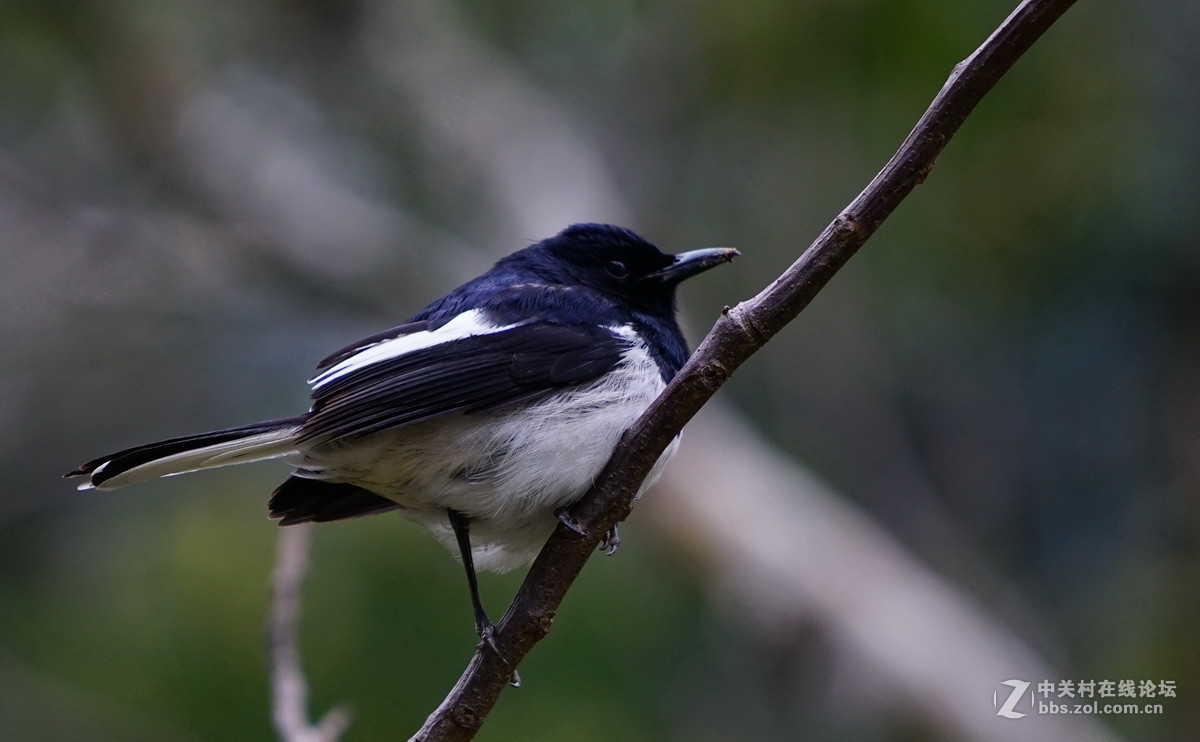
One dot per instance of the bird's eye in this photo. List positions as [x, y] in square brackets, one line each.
[616, 269]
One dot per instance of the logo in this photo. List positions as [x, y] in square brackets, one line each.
[1006, 709]
[1125, 696]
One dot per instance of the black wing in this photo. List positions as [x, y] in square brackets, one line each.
[469, 375]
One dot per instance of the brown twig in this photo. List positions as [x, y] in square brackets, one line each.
[740, 332]
[289, 691]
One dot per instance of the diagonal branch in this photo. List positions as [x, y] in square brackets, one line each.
[738, 333]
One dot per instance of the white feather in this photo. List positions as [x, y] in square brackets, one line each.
[464, 325]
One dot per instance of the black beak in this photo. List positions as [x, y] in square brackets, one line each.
[688, 264]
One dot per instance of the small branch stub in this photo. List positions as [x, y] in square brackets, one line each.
[289, 690]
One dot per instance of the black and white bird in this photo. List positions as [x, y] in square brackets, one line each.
[481, 417]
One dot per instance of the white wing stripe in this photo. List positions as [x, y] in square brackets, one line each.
[464, 325]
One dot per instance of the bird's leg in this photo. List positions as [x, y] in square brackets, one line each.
[462, 532]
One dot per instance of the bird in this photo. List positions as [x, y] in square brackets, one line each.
[484, 416]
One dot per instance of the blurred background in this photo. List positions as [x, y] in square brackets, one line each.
[974, 458]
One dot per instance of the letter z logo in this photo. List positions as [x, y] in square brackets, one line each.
[1006, 709]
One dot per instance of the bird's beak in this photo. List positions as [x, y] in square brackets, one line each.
[688, 264]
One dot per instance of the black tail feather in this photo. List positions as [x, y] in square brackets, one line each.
[122, 461]
[300, 500]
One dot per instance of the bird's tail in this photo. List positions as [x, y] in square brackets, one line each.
[265, 440]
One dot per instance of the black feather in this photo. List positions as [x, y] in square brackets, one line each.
[300, 500]
[471, 375]
[122, 461]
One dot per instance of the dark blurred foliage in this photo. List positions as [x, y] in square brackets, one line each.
[200, 199]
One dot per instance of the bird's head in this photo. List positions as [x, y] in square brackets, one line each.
[615, 261]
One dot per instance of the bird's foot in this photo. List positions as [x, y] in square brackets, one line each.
[486, 630]
[611, 541]
[487, 638]
[564, 516]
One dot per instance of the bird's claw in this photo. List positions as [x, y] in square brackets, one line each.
[611, 541]
[609, 544]
[564, 516]
[487, 636]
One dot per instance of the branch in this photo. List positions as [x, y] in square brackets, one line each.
[740, 332]
[289, 691]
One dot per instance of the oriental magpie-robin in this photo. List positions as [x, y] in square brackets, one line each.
[481, 417]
